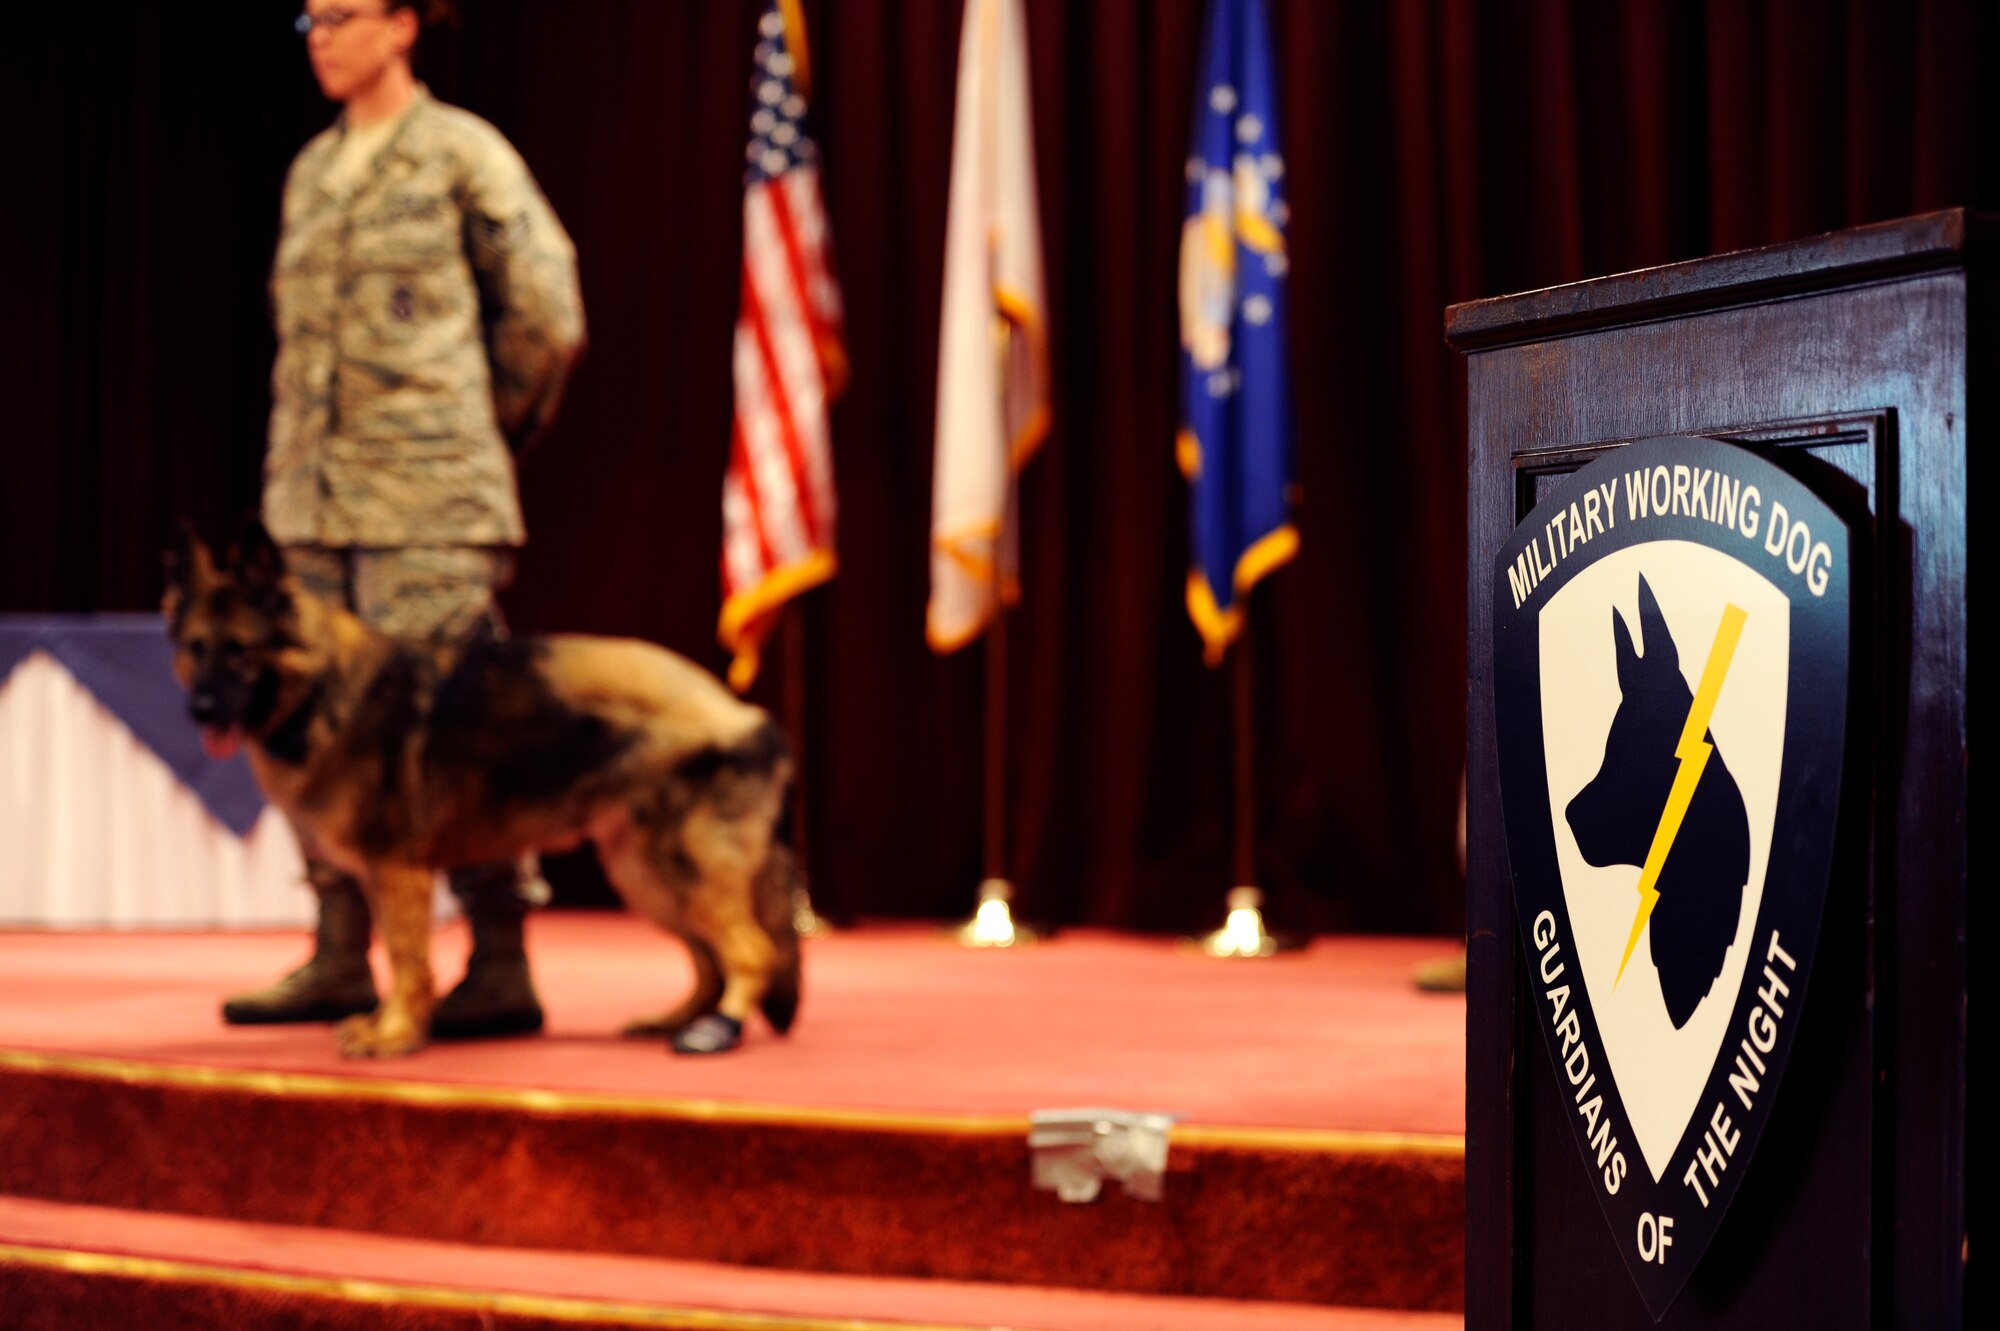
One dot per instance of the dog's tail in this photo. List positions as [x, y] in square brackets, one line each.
[777, 891]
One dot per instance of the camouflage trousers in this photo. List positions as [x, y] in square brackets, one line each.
[443, 593]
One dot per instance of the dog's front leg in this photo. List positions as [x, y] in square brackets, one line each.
[402, 899]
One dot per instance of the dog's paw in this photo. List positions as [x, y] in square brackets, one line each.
[709, 1034]
[661, 1027]
[369, 1036]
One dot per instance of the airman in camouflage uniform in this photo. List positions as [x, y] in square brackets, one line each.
[428, 313]
[427, 317]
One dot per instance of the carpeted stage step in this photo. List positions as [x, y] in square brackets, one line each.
[873, 1144]
[1342, 1219]
[67, 1267]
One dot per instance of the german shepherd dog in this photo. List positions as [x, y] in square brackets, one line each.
[1615, 816]
[396, 759]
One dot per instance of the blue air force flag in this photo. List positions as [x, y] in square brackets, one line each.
[1235, 444]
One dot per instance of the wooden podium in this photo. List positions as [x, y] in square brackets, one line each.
[1876, 352]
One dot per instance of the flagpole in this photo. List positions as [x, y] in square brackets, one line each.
[1245, 830]
[992, 395]
[1243, 933]
[995, 864]
[992, 923]
[1236, 443]
[793, 633]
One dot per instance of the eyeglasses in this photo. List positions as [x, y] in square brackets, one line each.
[332, 20]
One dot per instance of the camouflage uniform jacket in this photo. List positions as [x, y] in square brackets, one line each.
[427, 318]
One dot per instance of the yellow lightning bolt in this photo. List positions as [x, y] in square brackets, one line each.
[1693, 751]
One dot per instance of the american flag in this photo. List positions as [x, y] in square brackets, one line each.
[777, 497]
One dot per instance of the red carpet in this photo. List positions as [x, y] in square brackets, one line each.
[1318, 1161]
[894, 1019]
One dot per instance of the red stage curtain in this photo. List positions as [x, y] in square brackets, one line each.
[1437, 151]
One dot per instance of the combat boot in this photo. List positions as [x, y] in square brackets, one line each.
[335, 982]
[497, 995]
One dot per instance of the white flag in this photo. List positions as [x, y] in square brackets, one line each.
[993, 362]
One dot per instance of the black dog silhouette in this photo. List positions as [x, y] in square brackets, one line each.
[1615, 815]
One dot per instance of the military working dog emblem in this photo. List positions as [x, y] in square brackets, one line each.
[1670, 694]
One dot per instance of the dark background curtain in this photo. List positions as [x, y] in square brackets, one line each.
[1438, 150]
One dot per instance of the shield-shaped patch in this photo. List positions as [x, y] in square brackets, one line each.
[1670, 695]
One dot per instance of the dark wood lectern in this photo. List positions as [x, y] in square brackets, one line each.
[1875, 351]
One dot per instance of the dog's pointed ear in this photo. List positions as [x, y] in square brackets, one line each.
[257, 561]
[1628, 655]
[186, 562]
[1661, 654]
